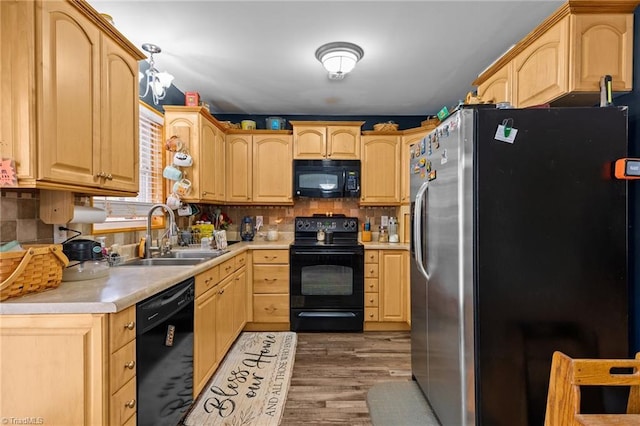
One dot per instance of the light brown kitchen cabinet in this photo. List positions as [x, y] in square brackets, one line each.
[409, 138]
[70, 110]
[224, 317]
[204, 140]
[386, 286]
[260, 169]
[85, 362]
[497, 88]
[394, 284]
[270, 289]
[204, 325]
[122, 366]
[317, 140]
[563, 59]
[380, 169]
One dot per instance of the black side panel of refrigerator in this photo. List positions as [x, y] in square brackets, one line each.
[551, 255]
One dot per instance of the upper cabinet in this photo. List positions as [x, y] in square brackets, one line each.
[205, 142]
[563, 59]
[260, 167]
[380, 169]
[69, 84]
[409, 138]
[333, 140]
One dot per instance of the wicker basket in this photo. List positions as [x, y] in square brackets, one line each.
[385, 127]
[35, 269]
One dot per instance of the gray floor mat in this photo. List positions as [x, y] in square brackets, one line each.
[399, 404]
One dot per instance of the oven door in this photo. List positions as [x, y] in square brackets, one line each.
[327, 288]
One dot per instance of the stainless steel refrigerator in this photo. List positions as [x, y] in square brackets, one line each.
[519, 248]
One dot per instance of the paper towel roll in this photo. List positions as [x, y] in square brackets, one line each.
[84, 214]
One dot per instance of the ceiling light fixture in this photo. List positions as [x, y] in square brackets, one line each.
[339, 58]
[158, 82]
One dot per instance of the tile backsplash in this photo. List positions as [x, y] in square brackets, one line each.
[19, 217]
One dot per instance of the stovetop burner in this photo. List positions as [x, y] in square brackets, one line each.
[344, 229]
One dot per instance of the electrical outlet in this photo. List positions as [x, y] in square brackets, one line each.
[259, 222]
[384, 220]
[59, 235]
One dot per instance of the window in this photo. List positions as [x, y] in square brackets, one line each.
[129, 213]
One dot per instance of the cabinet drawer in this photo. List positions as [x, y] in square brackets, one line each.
[122, 328]
[271, 278]
[123, 403]
[207, 280]
[226, 268]
[371, 270]
[371, 300]
[271, 256]
[370, 314]
[271, 308]
[371, 256]
[240, 260]
[371, 285]
[122, 366]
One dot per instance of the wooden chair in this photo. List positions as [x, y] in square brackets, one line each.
[567, 375]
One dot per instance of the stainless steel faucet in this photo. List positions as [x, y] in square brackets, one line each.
[149, 248]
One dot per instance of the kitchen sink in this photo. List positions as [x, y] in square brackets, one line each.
[177, 258]
[166, 261]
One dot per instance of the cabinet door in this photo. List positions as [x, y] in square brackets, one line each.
[69, 97]
[603, 44]
[405, 173]
[224, 317]
[380, 170]
[393, 285]
[540, 71]
[219, 166]
[239, 301]
[272, 169]
[204, 344]
[119, 144]
[206, 178]
[54, 367]
[343, 142]
[239, 176]
[17, 80]
[309, 142]
[497, 88]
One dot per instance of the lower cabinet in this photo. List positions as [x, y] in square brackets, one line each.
[69, 369]
[219, 316]
[386, 286]
[271, 289]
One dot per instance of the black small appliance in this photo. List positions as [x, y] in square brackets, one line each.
[326, 178]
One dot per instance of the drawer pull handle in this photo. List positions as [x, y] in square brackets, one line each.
[130, 325]
[130, 365]
[221, 291]
[271, 309]
[370, 315]
[271, 257]
[130, 404]
[271, 279]
[370, 300]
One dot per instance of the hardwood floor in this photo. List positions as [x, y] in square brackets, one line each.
[333, 372]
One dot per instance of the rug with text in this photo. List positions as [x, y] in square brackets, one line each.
[250, 386]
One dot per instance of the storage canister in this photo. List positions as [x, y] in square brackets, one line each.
[275, 123]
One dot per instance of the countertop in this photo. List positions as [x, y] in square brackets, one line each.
[127, 285]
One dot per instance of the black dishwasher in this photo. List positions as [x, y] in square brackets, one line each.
[164, 350]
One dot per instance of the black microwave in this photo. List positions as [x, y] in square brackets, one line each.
[326, 178]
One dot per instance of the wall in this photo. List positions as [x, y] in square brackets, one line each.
[633, 101]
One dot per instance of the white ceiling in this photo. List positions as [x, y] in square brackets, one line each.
[257, 57]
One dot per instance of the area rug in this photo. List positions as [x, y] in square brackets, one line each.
[250, 387]
[399, 403]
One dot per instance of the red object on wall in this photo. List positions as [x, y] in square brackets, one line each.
[192, 98]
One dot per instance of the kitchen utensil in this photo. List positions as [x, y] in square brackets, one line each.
[174, 144]
[248, 124]
[173, 201]
[275, 123]
[171, 172]
[182, 159]
[182, 187]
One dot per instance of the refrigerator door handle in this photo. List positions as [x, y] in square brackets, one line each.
[417, 229]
